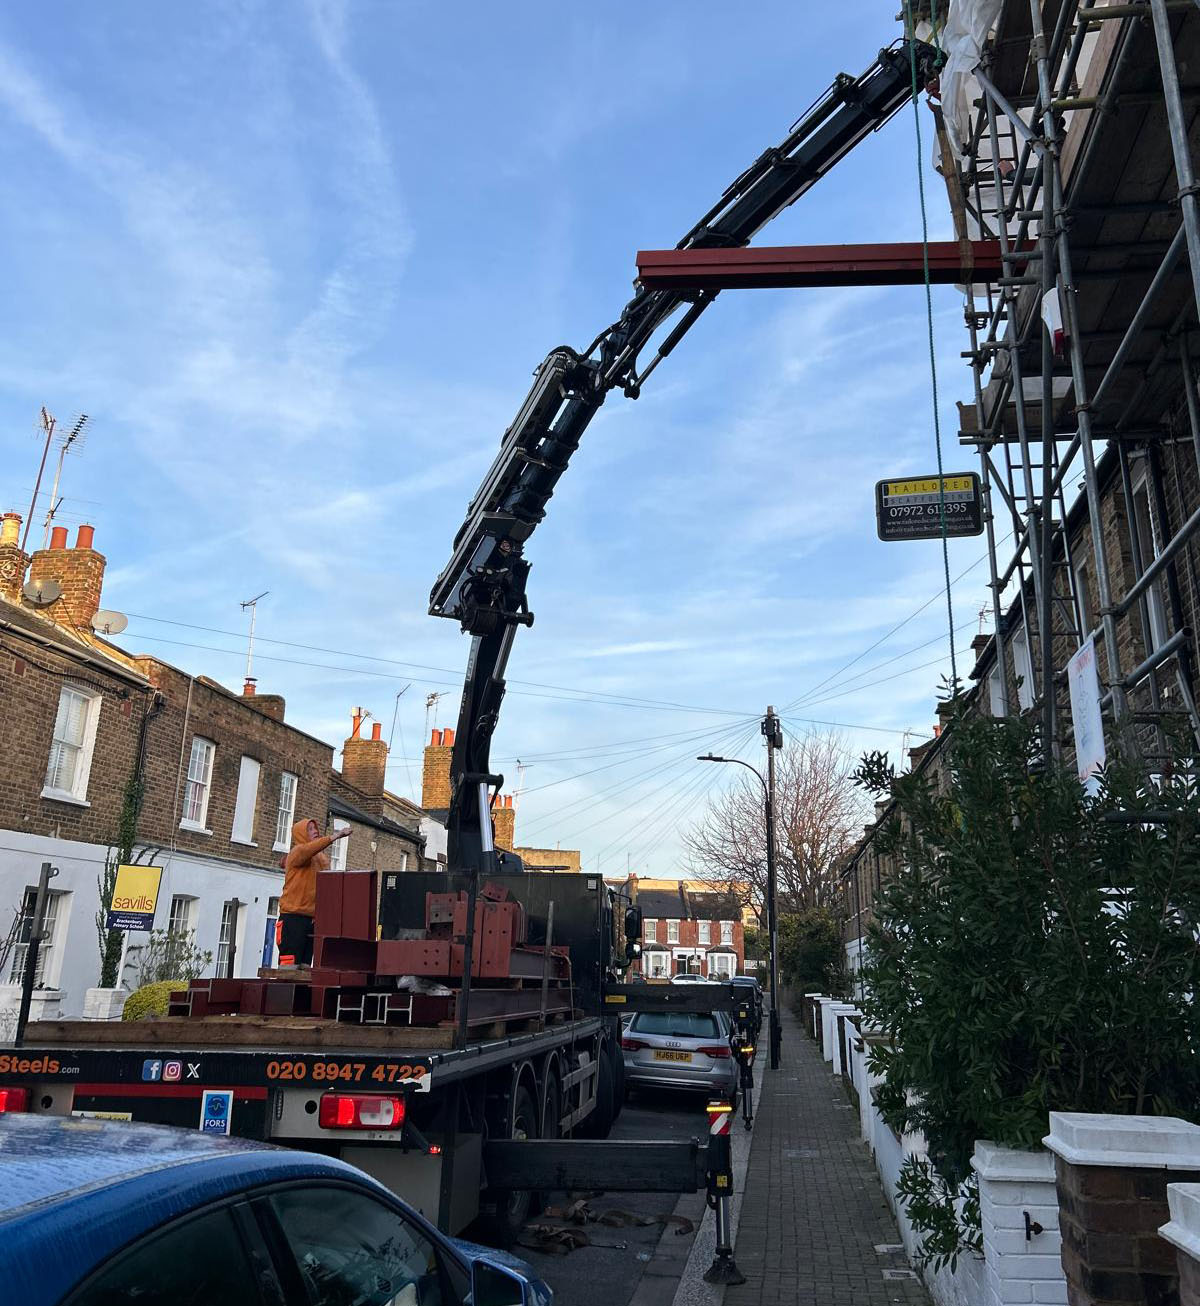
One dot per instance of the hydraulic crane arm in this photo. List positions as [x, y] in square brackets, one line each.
[483, 585]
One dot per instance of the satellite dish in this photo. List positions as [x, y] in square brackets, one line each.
[109, 623]
[41, 593]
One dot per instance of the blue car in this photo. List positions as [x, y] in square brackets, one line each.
[105, 1213]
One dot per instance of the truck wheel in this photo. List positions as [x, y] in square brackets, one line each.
[511, 1207]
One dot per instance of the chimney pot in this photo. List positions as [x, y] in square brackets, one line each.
[356, 721]
[250, 687]
[435, 739]
[10, 528]
[84, 539]
[58, 537]
[376, 730]
[448, 738]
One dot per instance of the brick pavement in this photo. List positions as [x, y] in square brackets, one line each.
[813, 1209]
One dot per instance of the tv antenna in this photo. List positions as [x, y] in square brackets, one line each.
[41, 593]
[109, 623]
[392, 733]
[252, 604]
[73, 437]
[431, 702]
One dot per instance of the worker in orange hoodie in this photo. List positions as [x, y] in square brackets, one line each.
[298, 902]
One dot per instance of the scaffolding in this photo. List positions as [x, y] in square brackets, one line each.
[1077, 158]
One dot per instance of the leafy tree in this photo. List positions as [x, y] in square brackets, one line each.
[811, 952]
[1038, 951]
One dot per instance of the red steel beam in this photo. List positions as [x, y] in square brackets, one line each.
[817, 265]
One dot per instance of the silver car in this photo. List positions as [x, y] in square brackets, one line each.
[679, 1049]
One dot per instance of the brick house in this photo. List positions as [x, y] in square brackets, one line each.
[435, 804]
[224, 778]
[687, 931]
[385, 829]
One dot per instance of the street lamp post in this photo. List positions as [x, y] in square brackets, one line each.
[774, 1030]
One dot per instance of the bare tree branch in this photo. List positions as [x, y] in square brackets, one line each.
[818, 813]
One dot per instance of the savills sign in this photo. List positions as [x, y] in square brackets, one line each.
[135, 895]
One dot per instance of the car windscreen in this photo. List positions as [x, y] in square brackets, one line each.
[678, 1024]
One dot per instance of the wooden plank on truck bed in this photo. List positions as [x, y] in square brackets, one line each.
[233, 1031]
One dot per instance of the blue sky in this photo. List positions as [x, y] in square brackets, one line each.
[298, 261]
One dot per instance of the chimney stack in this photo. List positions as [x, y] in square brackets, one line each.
[364, 761]
[12, 561]
[435, 775]
[79, 572]
[271, 705]
[504, 821]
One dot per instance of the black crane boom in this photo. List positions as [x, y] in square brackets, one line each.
[483, 585]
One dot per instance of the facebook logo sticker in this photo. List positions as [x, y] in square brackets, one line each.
[216, 1111]
[151, 1070]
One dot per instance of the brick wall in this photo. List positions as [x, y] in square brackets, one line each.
[689, 937]
[31, 680]
[79, 572]
[391, 849]
[1111, 1249]
[435, 773]
[238, 729]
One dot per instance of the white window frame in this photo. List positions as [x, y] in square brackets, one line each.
[1022, 667]
[49, 962]
[721, 963]
[181, 915]
[672, 931]
[649, 929]
[338, 849]
[704, 932]
[226, 935]
[76, 791]
[657, 965]
[201, 763]
[1148, 539]
[727, 934]
[283, 828]
[245, 808]
[995, 697]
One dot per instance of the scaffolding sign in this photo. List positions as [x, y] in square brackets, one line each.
[911, 507]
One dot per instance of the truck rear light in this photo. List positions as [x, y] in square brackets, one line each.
[361, 1111]
[633, 1045]
[716, 1050]
[14, 1099]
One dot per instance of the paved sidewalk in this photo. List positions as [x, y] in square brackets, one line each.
[813, 1212]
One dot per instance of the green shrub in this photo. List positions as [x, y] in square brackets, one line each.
[1037, 953]
[151, 999]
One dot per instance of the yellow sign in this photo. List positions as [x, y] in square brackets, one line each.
[135, 896]
[952, 484]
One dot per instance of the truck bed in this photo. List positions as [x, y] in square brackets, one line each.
[263, 1052]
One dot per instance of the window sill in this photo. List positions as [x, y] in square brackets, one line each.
[281, 848]
[246, 843]
[194, 827]
[62, 796]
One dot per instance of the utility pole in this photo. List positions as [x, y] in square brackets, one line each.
[772, 729]
[252, 604]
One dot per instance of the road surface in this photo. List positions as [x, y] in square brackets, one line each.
[606, 1271]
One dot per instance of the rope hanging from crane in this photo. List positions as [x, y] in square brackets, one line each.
[910, 32]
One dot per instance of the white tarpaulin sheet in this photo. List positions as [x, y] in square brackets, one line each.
[1084, 684]
[967, 26]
